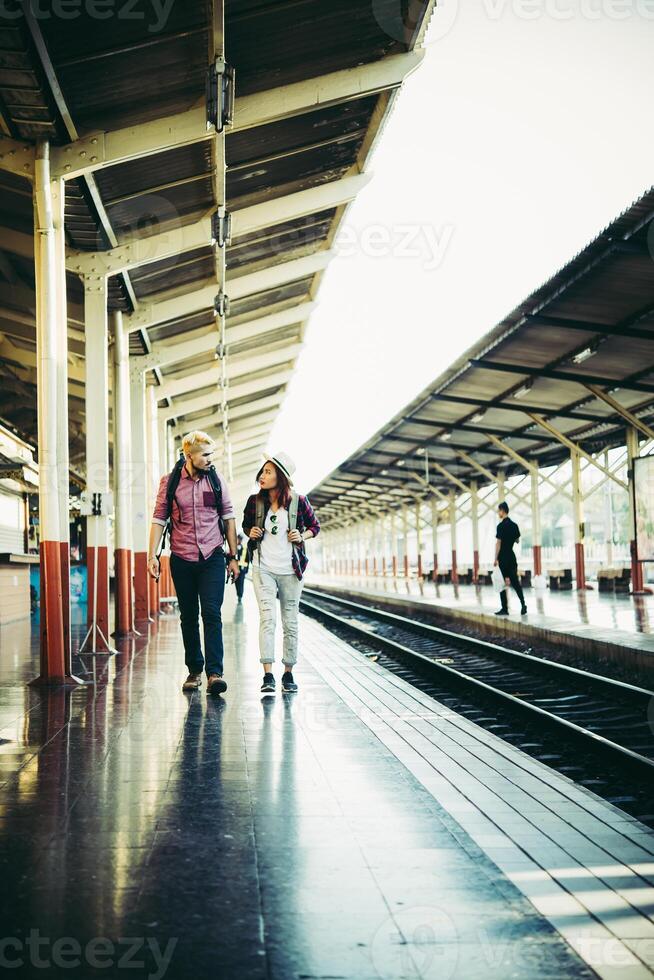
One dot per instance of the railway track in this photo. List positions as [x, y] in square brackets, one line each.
[597, 715]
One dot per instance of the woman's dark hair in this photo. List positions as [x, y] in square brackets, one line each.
[283, 487]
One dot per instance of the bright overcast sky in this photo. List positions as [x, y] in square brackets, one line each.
[514, 143]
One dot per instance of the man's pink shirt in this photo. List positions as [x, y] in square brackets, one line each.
[194, 520]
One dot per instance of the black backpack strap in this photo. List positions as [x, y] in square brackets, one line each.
[218, 494]
[171, 489]
[173, 483]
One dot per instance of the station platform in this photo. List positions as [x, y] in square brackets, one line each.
[598, 626]
[355, 830]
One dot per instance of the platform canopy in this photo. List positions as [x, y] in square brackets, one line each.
[122, 100]
[571, 366]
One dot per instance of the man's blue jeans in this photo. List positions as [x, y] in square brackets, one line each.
[201, 585]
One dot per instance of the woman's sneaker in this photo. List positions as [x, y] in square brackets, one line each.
[268, 686]
[288, 684]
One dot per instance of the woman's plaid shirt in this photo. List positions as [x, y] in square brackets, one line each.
[306, 521]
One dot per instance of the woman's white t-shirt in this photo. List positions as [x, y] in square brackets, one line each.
[276, 550]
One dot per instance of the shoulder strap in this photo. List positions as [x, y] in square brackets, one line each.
[292, 511]
[259, 515]
[173, 483]
[216, 487]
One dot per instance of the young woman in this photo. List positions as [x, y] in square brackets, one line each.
[278, 560]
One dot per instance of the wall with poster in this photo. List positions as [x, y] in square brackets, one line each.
[644, 504]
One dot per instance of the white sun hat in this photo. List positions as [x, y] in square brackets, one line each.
[285, 464]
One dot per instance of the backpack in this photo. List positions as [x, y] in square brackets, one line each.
[171, 490]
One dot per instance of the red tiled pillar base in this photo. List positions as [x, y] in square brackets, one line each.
[153, 588]
[580, 566]
[419, 566]
[394, 566]
[435, 566]
[166, 584]
[64, 563]
[538, 560]
[102, 613]
[141, 589]
[475, 566]
[637, 582]
[53, 658]
[124, 605]
[406, 566]
[455, 574]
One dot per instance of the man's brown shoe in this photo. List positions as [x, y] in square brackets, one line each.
[216, 685]
[192, 682]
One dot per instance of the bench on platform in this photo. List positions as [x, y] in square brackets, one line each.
[560, 579]
[614, 579]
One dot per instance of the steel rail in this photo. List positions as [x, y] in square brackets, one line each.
[431, 668]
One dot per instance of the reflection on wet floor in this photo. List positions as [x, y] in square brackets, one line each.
[237, 837]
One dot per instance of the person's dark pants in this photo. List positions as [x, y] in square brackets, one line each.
[240, 581]
[201, 585]
[509, 569]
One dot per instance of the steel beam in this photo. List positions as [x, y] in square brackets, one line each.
[574, 378]
[237, 369]
[574, 448]
[621, 410]
[615, 330]
[104, 149]
[257, 217]
[151, 314]
[17, 157]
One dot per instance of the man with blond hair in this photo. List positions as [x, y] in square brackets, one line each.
[196, 501]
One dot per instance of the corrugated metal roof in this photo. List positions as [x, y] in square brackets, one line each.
[603, 297]
[91, 74]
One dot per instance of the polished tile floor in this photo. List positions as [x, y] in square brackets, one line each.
[240, 837]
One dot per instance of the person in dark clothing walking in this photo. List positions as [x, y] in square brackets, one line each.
[508, 533]
[242, 559]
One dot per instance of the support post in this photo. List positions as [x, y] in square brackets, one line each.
[419, 538]
[58, 192]
[474, 514]
[140, 516]
[123, 557]
[405, 535]
[536, 530]
[633, 449]
[434, 535]
[455, 574]
[53, 655]
[97, 462]
[152, 479]
[394, 543]
[500, 486]
[578, 519]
